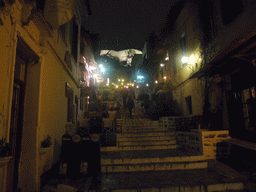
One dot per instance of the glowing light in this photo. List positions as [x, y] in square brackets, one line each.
[184, 59]
[118, 79]
[103, 70]
[100, 66]
[162, 65]
[133, 84]
[107, 80]
[192, 60]
[122, 79]
[140, 77]
[107, 84]
[126, 87]
[116, 86]
[166, 58]
[121, 83]
[165, 77]
[137, 87]
[147, 85]
[88, 97]
[92, 68]
[156, 82]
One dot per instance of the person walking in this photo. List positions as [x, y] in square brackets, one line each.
[130, 105]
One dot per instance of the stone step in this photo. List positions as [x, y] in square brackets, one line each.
[200, 188]
[144, 130]
[140, 126]
[147, 142]
[145, 147]
[148, 154]
[133, 161]
[154, 166]
[147, 134]
[155, 138]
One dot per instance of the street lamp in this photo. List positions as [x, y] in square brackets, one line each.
[156, 82]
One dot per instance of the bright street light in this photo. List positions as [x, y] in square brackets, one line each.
[156, 82]
[184, 59]
[147, 85]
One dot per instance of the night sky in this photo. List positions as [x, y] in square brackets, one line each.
[125, 24]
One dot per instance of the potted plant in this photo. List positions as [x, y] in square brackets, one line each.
[5, 152]
[45, 145]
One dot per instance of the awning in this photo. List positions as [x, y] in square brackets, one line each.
[231, 65]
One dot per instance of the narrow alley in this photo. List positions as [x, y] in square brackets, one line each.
[147, 157]
[127, 95]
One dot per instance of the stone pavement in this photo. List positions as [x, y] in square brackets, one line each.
[146, 159]
[204, 180]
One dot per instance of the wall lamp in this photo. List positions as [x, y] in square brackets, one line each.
[185, 61]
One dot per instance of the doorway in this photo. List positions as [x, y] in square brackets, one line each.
[16, 122]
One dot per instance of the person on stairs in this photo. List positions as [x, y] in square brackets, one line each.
[130, 105]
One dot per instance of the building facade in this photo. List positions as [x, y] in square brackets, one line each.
[210, 66]
[43, 75]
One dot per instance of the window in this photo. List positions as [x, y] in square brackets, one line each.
[189, 104]
[81, 100]
[183, 44]
[74, 38]
[249, 108]
[69, 95]
[230, 9]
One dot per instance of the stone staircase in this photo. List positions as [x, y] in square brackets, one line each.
[144, 147]
[147, 159]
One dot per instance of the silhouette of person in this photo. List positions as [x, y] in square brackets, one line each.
[130, 105]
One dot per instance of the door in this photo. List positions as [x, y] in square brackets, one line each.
[242, 114]
[16, 124]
